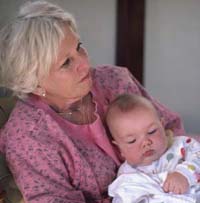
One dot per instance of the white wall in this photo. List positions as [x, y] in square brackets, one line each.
[95, 19]
[172, 56]
[96, 23]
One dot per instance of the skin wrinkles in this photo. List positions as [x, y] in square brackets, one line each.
[71, 71]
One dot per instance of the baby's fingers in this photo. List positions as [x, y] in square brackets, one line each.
[177, 190]
[170, 187]
[166, 186]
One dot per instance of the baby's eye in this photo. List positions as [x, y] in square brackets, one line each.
[132, 141]
[152, 131]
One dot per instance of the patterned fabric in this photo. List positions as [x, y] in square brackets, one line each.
[55, 161]
[139, 187]
[183, 157]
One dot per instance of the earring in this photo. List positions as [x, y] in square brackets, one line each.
[44, 94]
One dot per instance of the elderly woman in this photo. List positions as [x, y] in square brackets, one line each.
[56, 142]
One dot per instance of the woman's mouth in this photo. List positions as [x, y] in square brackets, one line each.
[85, 77]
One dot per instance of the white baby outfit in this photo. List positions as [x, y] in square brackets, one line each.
[144, 184]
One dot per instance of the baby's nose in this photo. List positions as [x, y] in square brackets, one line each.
[147, 142]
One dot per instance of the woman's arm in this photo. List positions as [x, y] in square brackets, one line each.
[42, 176]
[41, 167]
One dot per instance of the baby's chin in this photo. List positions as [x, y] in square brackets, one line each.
[149, 158]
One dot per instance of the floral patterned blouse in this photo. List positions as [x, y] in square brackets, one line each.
[55, 161]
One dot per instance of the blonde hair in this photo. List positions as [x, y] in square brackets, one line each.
[29, 45]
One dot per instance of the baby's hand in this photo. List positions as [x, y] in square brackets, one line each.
[176, 183]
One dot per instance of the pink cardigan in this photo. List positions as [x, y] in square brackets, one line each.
[55, 161]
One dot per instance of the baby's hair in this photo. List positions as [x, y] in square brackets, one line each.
[127, 102]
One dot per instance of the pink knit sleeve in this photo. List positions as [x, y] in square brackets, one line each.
[36, 159]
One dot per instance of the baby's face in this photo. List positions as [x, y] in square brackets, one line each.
[139, 134]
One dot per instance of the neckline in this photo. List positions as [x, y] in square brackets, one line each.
[87, 124]
[34, 100]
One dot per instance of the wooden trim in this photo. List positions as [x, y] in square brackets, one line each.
[130, 35]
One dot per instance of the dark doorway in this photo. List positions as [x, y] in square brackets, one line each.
[130, 36]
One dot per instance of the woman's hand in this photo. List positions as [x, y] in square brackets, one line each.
[176, 183]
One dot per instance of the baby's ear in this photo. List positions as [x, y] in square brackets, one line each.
[114, 142]
[162, 120]
[122, 155]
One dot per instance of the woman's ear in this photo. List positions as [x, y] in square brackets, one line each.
[39, 91]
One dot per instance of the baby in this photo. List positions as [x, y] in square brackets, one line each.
[158, 165]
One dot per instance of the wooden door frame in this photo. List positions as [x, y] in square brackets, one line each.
[130, 36]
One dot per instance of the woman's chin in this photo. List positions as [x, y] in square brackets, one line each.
[87, 87]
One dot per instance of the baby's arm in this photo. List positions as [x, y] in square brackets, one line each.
[185, 173]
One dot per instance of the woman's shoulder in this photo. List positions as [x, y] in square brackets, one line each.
[25, 114]
[26, 122]
[108, 70]
[110, 77]
[114, 80]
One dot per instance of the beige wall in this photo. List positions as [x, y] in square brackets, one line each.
[172, 56]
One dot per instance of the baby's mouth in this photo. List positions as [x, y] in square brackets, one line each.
[148, 153]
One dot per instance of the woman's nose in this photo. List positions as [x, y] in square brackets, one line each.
[82, 67]
[82, 62]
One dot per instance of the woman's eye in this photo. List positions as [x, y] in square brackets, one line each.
[132, 141]
[152, 131]
[67, 62]
[79, 46]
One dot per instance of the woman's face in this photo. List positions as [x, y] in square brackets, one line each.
[69, 78]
